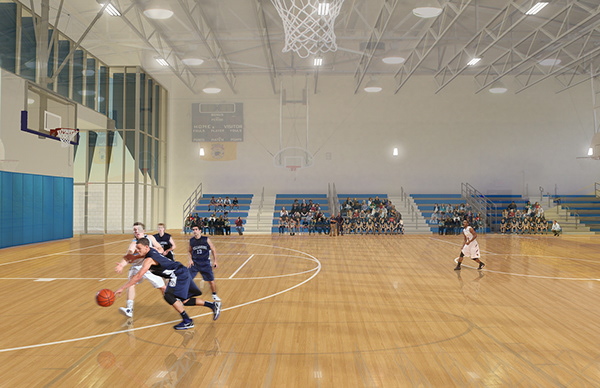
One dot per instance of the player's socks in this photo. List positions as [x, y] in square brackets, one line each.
[185, 316]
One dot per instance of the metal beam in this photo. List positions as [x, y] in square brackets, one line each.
[452, 10]
[197, 19]
[486, 38]
[387, 10]
[161, 46]
[266, 42]
[545, 36]
[577, 50]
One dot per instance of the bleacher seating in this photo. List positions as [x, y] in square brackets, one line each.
[360, 197]
[588, 208]
[288, 199]
[244, 201]
[426, 204]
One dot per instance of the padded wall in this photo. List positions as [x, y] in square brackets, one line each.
[34, 208]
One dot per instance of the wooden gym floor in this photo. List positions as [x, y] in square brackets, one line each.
[311, 311]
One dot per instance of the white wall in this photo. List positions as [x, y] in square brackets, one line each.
[34, 155]
[497, 143]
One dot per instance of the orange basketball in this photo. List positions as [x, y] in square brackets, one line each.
[105, 297]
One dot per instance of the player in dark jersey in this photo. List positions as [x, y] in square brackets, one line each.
[181, 290]
[199, 260]
[166, 242]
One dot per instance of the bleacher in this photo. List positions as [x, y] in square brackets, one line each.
[360, 197]
[588, 208]
[426, 204]
[244, 201]
[287, 200]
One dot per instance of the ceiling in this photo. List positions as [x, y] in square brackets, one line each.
[245, 38]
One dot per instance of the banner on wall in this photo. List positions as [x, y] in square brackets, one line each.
[219, 152]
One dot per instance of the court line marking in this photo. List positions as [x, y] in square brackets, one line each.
[241, 266]
[525, 275]
[60, 253]
[171, 322]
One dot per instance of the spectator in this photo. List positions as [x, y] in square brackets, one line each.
[227, 203]
[556, 229]
[239, 225]
[235, 203]
[213, 203]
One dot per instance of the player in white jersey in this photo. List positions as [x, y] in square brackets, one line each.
[136, 264]
[470, 246]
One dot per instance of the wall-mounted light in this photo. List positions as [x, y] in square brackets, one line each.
[201, 151]
[395, 152]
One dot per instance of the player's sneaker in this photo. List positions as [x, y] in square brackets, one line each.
[481, 265]
[216, 310]
[184, 325]
[457, 268]
[216, 298]
[127, 312]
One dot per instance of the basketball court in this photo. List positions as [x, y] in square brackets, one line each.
[311, 312]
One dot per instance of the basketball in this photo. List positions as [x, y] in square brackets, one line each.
[105, 297]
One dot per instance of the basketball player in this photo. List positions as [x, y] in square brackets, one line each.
[199, 260]
[470, 246]
[166, 242]
[180, 291]
[136, 264]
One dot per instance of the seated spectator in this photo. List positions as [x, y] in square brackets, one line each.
[213, 202]
[235, 203]
[239, 224]
[556, 229]
[227, 203]
[220, 205]
[512, 206]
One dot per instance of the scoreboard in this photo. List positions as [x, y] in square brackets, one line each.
[218, 122]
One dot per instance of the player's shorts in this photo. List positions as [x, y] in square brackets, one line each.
[182, 286]
[471, 250]
[204, 269]
[155, 280]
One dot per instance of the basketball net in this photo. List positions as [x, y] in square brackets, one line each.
[65, 135]
[308, 25]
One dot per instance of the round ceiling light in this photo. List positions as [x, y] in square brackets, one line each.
[395, 60]
[192, 61]
[498, 88]
[550, 62]
[427, 12]
[158, 13]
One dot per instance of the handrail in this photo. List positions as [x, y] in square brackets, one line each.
[575, 215]
[481, 203]
[597, 189]
[260, 207]
[190, 204]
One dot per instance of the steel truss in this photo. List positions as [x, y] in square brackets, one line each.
[452, 10]
[566, 33]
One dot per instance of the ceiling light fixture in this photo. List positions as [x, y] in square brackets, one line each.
[428, 9]
[323, 9]
[158, 10]
[110, 9]
[550, 62]
[536, 8]
[372, 87]
[318, 61]
[498, 88]
[162, 62]
[393, 60]
[211, 88]
[473, 61]
[192, 61]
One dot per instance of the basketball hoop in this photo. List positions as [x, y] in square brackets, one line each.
[293, 168]
[66, 135]
[308, 25]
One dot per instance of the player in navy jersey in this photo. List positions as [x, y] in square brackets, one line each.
[199, 260]
[136, 264]
[181, 290]
[166, 242]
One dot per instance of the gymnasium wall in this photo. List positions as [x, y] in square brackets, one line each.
[37, 188]
[501, 144]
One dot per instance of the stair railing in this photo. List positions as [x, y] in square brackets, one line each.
[189, 205]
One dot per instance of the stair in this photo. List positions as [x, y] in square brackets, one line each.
[568, 223]
[259, 221]
[414, 223]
